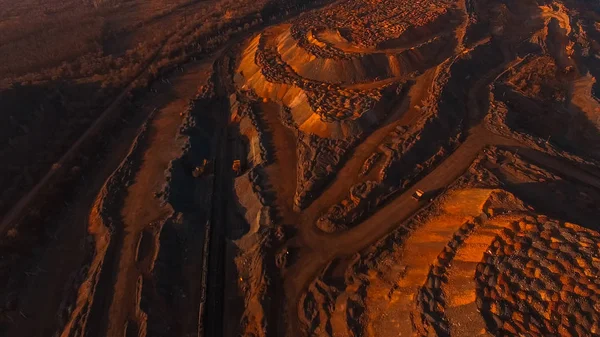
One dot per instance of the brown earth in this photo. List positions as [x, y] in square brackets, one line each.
[271, 190]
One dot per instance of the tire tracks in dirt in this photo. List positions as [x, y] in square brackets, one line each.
[321, 248]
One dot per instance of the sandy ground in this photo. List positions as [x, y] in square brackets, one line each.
[141, 208]
[458, 260]
[318, 249]
[461, 308]
[421, 248]
[283, 170]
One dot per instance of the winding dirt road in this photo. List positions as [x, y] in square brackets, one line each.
[319, 248]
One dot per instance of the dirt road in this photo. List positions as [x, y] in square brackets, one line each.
[322, 248]
[319, 248]
[404, 113]
[141, 207]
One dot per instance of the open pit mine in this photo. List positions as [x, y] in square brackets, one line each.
[353, 168]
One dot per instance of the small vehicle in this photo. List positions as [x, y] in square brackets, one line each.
[200, 169]
[236, 167]
[418, 195]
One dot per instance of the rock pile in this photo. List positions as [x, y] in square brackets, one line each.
[365, 23]
[540, 278]
[350, 209]
[318, 159]
[330, 101]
